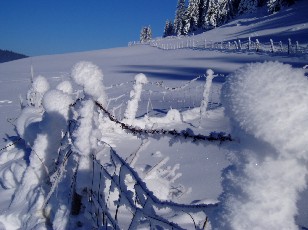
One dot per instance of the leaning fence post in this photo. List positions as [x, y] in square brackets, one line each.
[235, 45]
[135, 94]
[281, 46]
[257, 45]
[272, 46]
[239, 44]
[206, 93]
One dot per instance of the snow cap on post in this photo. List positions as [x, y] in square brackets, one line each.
[141, 78]
[90, 77]
[57, 101]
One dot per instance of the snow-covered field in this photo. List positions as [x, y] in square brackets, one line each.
[69, 164]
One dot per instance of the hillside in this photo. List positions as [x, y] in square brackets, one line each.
[93, 143]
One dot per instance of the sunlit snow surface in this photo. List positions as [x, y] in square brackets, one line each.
[195, 170]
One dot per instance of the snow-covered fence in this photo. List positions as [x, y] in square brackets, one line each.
[79, 179]
[189, 135]
[158, 95]
[201, 43]
[118, 192]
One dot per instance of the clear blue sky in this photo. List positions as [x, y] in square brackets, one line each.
[38, 27]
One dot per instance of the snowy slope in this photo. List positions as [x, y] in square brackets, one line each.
[181, 171]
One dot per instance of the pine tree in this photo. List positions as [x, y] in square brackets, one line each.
[276, 5]
[234, 7]
[142, 35]
[149, 34]
[166, 29]
[211, 19]
[169, 30]
[224, 14]
[145, 34]
[179, 17]
[192, 16]
[203, 13]
[202, 10]
[247, 6]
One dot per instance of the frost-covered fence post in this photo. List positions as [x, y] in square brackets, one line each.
[221, 45]
[90, 77]
[235, 45]
[32, 74]
[272, 46]
[229, 45]
[257, 45]
[239, 44]
[281, 46]
[135, 94]
[206, 93]
[289, 45]
[296, 47]
[249, 43]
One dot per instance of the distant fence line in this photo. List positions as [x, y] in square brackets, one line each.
[248, 44]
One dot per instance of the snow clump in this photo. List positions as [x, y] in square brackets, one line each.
[57, 101]
[38, 88]
[268, 105]
[65, 87]
[90, 77]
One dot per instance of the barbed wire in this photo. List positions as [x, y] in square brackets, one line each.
[214, 136]
[11, 144]
[159, 84]
[136, 200]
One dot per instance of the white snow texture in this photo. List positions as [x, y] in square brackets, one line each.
[90, 77]
[267, 102]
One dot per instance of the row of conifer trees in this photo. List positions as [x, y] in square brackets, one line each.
[208, 14]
